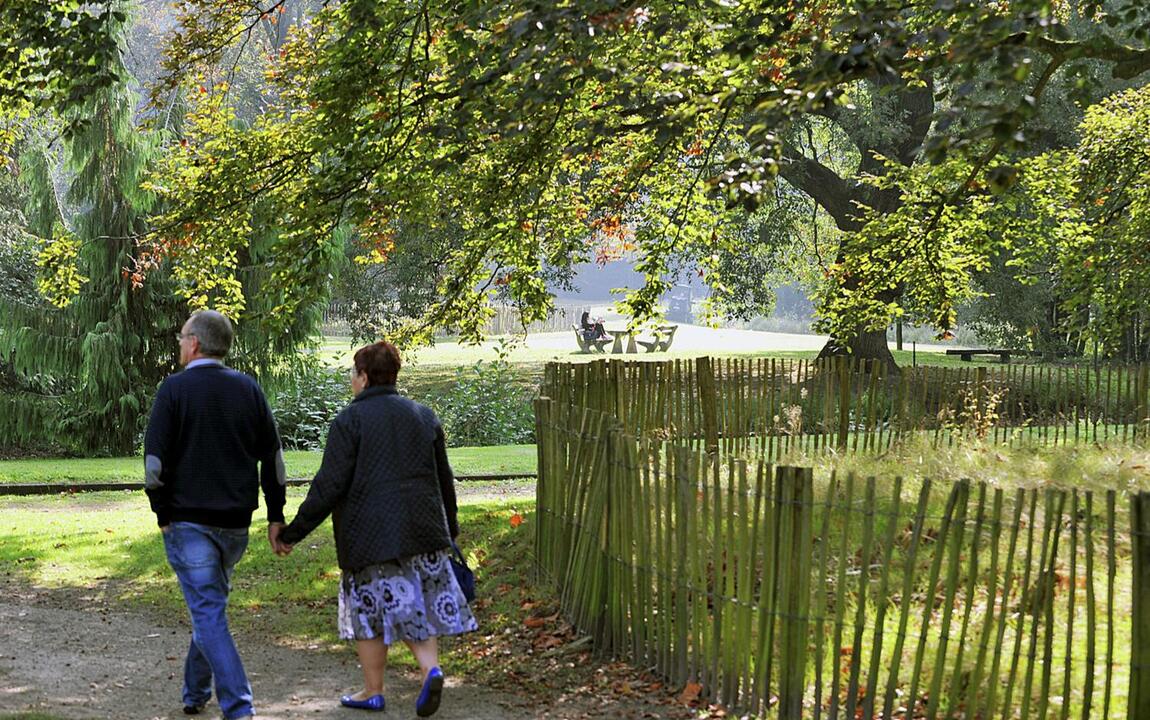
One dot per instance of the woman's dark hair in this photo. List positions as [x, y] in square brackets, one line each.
[585, 318]
[379, 361]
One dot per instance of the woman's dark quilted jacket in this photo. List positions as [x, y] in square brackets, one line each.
[384, 480]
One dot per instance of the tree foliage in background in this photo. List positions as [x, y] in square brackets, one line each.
[535, 131]
[376, 298]
[538, 130]
[1013, 308]
[104, 345]
[55, 55]
[784, 241]
[1073, 221]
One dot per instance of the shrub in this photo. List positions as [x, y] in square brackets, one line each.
[305, 403]
[485, 406]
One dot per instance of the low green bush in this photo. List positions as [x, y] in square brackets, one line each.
[485, 405]
[305, 403]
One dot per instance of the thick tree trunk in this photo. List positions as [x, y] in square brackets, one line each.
[868, 345]
[840, 196]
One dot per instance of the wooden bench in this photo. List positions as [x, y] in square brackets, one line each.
[664, 336]
[968, 354]
[586, 345]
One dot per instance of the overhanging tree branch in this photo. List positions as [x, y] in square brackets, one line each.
[824, 185]
[1128, 61]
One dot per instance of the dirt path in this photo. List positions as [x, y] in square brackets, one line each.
[77, 655]
[104, 663]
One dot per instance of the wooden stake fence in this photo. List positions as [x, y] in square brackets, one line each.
[774, 408]
[790, 595]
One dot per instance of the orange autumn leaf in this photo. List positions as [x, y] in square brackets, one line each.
[537, 622]
[690, 693]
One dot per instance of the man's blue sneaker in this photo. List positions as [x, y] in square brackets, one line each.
[428, 701]
[375, 703]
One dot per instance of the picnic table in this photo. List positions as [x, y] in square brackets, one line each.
[620, 335]
[664, 335]
[625, 340]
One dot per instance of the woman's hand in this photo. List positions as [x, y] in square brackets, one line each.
[278, 546]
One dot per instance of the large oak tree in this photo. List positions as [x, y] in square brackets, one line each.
[533, 129]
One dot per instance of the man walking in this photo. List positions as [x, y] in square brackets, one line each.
[209, 428]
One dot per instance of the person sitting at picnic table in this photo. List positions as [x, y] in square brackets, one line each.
[592, 330]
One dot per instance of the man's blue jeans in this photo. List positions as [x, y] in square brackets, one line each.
[203, 558]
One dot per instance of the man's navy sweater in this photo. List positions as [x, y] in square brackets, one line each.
[209, 427]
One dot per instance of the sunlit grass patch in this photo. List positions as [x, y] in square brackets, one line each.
[107, 545]
[492, 460]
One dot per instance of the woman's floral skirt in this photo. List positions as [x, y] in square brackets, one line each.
[412, 598]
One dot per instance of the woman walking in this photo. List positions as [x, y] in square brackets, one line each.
[386, 483]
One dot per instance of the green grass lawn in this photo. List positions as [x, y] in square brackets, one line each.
[509, 459]
[337, 351]
[445, 356]
[106, 543]
[436, 369]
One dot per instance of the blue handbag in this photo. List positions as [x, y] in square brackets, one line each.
[463, 574]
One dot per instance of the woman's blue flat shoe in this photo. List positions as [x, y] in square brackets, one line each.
[428, 701]
[374, 703]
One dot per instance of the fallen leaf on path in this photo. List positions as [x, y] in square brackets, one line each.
[690, 693]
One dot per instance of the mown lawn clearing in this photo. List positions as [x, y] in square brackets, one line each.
[465, 461]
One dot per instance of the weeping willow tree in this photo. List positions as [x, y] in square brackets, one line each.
[96, 343]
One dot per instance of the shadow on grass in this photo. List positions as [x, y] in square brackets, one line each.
[85, 549]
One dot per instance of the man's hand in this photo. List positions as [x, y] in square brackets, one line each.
[278, 547]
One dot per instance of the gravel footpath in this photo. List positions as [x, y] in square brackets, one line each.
[87, 664]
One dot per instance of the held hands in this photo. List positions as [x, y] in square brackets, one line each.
[278, 546]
